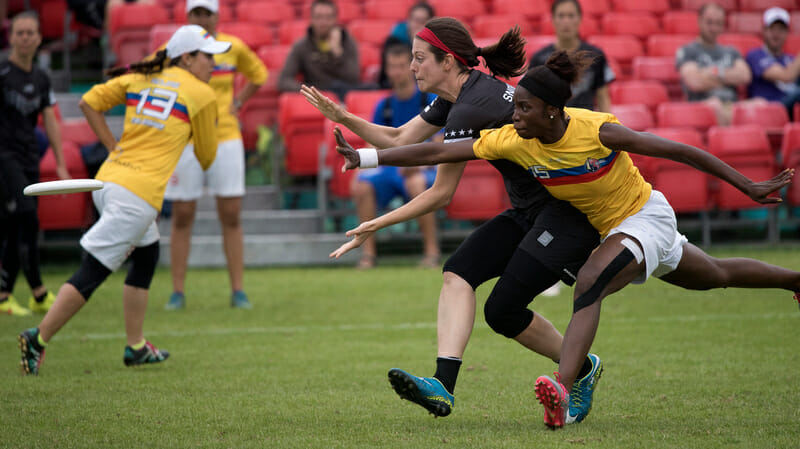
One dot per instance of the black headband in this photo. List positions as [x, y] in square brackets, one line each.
[540, 88]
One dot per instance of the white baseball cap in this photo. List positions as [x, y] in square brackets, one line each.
[211, 5]
[189, 38]
[776, 14]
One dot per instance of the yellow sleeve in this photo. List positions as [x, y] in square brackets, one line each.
[249, 65]
[102, 97]
[495, 143]
[204, 134]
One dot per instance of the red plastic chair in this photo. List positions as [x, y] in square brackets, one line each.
[745, 22]
[77, 131]
[792, 44]
[620, 48]
[649, 93]
[160, 34]
[292, 30]
[680, 114]
[667, 44]
[680, 22]
[369, 58]
[635, 116]
[746, 148]
[740, 41]
[253, 34]
[660, 69]
[339, 183]
[480, 195]
[493, 26]
[69, 211]
[532, 9]
[652, 6]
[694, 5]
[761, 5]
[373, 31]
[382, 10]
[301, 126]
[770, 116]
[686, 188]
[264, 12]
[639, 24]
[463, 10]
[790, 152]
[595, 8]
[363, 102]
[130, 29]
[534, 43]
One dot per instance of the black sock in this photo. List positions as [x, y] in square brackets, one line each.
[447, 372]
[40, 298]
[586, 368]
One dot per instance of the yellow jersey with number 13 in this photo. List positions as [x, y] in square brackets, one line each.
[163, 111]
[600, 182]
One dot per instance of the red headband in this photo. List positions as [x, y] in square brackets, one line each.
[427, 35]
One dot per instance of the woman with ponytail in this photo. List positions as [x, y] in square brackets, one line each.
[539, 234]
[168, 101]
[582, 157]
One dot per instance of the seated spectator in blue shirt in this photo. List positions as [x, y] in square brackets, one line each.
[775, 74]
[375, 188]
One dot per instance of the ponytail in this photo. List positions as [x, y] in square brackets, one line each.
[507, 57]
[147, 66]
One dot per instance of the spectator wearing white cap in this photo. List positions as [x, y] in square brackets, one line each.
[225, 178]
[775, 74]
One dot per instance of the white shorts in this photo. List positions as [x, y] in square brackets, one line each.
[126, 222]
[656, 230]
[225, 177]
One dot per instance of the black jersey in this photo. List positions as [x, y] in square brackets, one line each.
[596, 76]
[485, 103]
[24, 96]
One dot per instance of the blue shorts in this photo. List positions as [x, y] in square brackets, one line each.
[388, 183]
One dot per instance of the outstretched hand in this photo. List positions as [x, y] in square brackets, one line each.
[352, 159]
[329, 108]
[760, 191]
[359, 234]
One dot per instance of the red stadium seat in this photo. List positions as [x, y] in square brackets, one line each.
[694, 5]
[746, 148]
[792, 44]
[339, 183]
[262, 108]
[621, 48]
[667, 44]
[264, 12]
[589, 26]
[639, 24]
[69, 211]
[680, 22]
[382, 10]
[253, 34]
[301, 126]
[649, 93]
[794, 18]
[661, 69]
[771, 116]
[480, 195]
[130, 29]
[635, 116]
[790, 151]
[369, 57]
[292, 30]
[686, 188]
[679, 114]
[761, 5]
[595, 8]
[51, 19]
[534, 43]
[363, 102]
[745, 22]
[160, 34]
[493, 26]
[657, 7]
[740, 41]
[373, 31]
[77, 131]
[532, 9]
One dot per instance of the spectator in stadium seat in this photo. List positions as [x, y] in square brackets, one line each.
[775, 74]
[711, 72]
[373, 189]
[405, 31]
[225, 178]
[326, 58]
[26, 92]
[591, 92]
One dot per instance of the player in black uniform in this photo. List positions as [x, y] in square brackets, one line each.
[539, 234]
[25, 93]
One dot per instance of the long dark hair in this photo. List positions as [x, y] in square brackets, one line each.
[505, 59]
[552, 82]
[147, 66]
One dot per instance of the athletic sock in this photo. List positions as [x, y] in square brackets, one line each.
[586, 368]
[40, 298]
[139, 345]
[40, 341]
[447, 372]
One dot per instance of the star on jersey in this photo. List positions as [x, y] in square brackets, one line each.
[459, 133]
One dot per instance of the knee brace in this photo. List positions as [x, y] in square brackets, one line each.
[506, 310]
[143, 266]
[89, 276]
[590, 296]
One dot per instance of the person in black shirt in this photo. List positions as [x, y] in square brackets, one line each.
[539, 234]
[591, 92]
[25, 92]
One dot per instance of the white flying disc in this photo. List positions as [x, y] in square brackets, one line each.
[63, 186]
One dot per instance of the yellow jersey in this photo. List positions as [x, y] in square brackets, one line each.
[238, 59]
[163, 111]
[600, 182]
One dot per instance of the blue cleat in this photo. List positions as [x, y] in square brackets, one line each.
[176, 301]
[425, 391]
[147, 354]
[239, 300]
[580, 400]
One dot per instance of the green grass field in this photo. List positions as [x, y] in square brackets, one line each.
[306, 368]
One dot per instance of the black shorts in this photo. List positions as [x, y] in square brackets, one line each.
[14, 177]
[558, 236]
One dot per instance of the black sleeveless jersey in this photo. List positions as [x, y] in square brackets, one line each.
[485, 103]
[23, 95]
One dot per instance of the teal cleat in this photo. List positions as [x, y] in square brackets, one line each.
[239, 300]
[32, 352]
[425, 391]
[148, 354]
[580, 400]
[176, 301]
